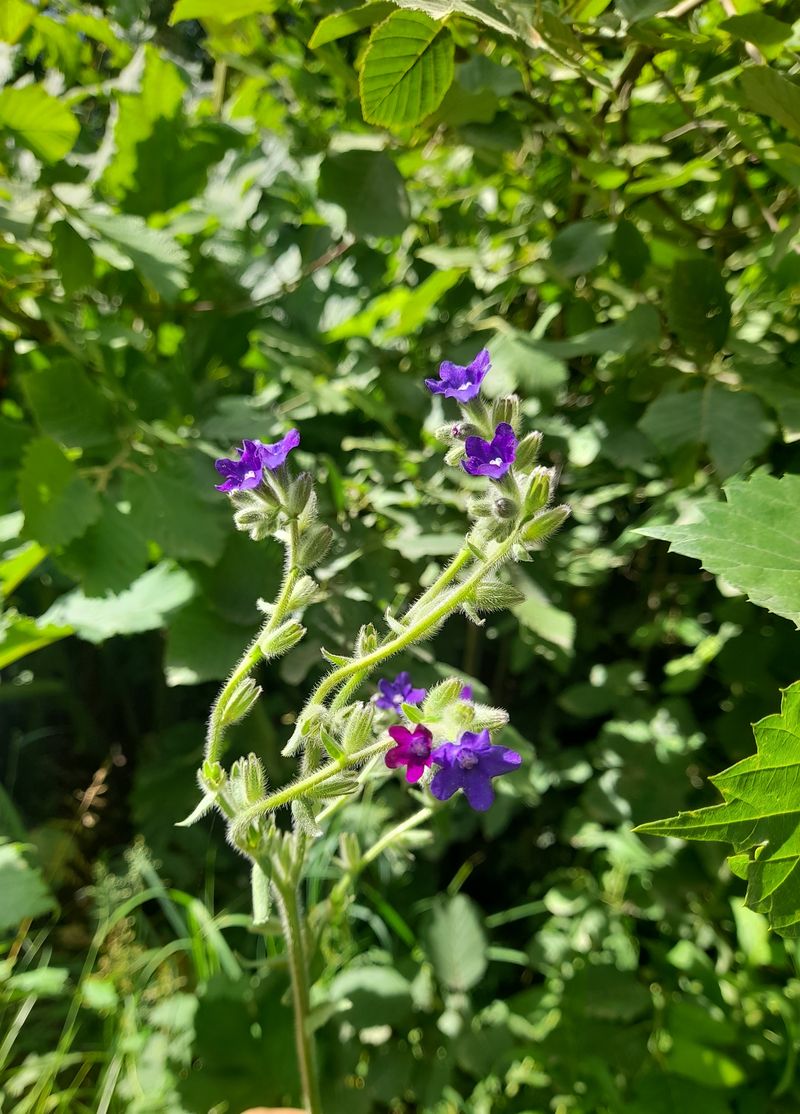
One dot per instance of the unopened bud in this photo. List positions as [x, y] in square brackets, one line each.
[240, 702]
[298, 494]
[504, 507]
[540, 489]
[366, 640]
[494, 595]
[441, 696]
[358, 727]
[277, 642]
[304, 819]
[528, 450]
[306, 591]
[253, 779]
[259, 889]
[213, 775]
[505, 410]
[454, 455]
[315, 541]
[258, 522]
[543, 525]
[486, 718]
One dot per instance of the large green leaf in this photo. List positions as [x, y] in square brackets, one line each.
[457, 943]
[68, 406]
[59, 505]
[16, 16]
[109, 556]
[370, 189]
[128, 241]
[766, 91]
[340, 24]
[699, 308]
[39, 121]
[407, 69]
[20, 636]
[217, 12]
[731, 424]
[752, 540]
[760, 817]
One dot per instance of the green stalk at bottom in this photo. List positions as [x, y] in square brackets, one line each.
[294, 932]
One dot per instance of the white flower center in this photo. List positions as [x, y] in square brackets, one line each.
[467, 760]
[466, 387]
[496, 462]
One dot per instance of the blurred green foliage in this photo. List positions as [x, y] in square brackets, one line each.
[203, 239]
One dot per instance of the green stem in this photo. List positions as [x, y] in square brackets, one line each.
[252, 655]
[362, 666]
[443, 579]
[297, 950]
[394, 833]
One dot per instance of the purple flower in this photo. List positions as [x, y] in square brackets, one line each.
[470, 765]
[412, 749]
[466, 693]
[397, 692]
[254, 457]
[462, 383]
[491, 458]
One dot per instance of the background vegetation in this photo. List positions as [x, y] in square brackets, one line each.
[211, 225]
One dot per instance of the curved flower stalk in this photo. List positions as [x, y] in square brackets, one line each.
[444, 742]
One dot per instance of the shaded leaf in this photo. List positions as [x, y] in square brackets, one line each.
[68, 405]
[370, 189]
[59, 505]
[340, 24]
[457, 943]
[698, 306]
[24, 891]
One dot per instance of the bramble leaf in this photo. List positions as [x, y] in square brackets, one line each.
[407, 70]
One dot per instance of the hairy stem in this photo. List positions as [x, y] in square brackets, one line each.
[294, 932]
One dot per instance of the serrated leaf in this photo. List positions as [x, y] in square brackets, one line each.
[142, 607]
[767, 92]
[484, 11]
[457, 943]
[40, 122]
[174, 503]
[760, 817]
[752, 540]
[731, 424]
[698, 306]
[407, 69]
[68, 406]
[340, 24]
[59, 505]
[109, 556]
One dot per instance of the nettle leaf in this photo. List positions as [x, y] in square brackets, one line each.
[68, 406]
[59, 505]
[141, 607]
[698, 307]
[41, 122]
[370, 189]
[752, 540]
[175, 504]
[760, 817]
[731, 424]
[407, 69]
[340, 24]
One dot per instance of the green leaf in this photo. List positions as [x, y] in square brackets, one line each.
[731, 424]
[25, 894]
[142, 607]
[72, 258]
[127, 241]
[760, 817]
[68, 406]
[766, 92]
[520, 363]
[752, 540]
[16, 16]
[698, 307]
[456, 943]
[109, 556]
[484, 11]
[580, 247]
[39, 121]
[174, 503]
[370, 189]
[630, 250]
[59, 505]
[18, 564]
[213, 10]
[201, 646]
[407, 69]
[759, 28]
[637, 332]
[20, 636]
[340, 24]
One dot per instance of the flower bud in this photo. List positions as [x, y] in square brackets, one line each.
[441, 696]
[306, 591]
[277, 642]
[358, 727]
[454, 455]
[253, 779]
[366, 640]
[505, 410]
[241, 700]
[315, 541]
[304, 819]
[540, 489]
[494, 595]
[258, 522]
[487, 718]
[504, 507]
[213, 775]
[543, 525]
[528, 450]
[298, 494]
[259, 889]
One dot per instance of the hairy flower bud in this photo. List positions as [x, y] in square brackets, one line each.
[540, 489]
[315, 541]
[277, 642]
[494, 595]
[528, 450]
[358, 727]
[257, 521]
[255, 781]
[240, 702]
[505, 410]
[543, 525]
[504, 507]
[298, 494]
[441, 696]
[366, 640]
[259, 889]
[306, 591]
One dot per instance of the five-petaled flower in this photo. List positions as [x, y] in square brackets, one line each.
[491, 458]
[470, 765]
[412, 749]
[254, 458]
[462, 383]
[400, 691]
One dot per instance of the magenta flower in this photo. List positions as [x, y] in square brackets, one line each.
[462, 383]
[470, 765]
[254, 457]
[400, 691]
[491, 458]
[412, 749]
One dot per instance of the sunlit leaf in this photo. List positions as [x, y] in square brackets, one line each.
[407, 69]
